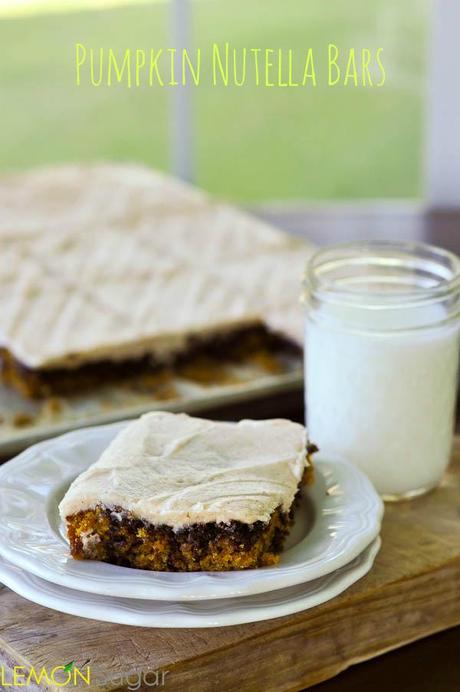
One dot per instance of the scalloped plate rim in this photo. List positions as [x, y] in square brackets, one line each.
[195, 614]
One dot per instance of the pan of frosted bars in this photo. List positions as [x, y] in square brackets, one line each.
[110, 271]
[177, 493]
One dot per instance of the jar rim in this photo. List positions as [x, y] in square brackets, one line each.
[389, 255]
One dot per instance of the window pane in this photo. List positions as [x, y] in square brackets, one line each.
[45, 117]
[252, 143]
[258, 143]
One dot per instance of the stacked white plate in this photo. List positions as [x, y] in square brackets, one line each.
[333, 544]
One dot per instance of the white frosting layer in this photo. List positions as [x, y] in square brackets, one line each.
[117, 261]
[177, 470]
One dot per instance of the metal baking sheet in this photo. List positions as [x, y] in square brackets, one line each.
[24, 422]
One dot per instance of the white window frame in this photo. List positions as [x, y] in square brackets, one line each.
[442, 160]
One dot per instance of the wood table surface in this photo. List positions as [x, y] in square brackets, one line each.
[414, 590]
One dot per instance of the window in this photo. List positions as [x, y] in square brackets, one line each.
[248, 143]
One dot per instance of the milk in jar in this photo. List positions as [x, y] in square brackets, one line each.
[381, 363]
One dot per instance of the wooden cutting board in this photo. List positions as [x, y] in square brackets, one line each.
[412, 591]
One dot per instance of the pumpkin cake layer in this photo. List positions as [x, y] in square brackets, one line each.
[176, 493]
[118, 263]
[237, 346]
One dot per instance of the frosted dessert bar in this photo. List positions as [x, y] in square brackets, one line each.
[177, 493]
[112, 270]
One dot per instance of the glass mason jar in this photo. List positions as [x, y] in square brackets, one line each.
[381, 360]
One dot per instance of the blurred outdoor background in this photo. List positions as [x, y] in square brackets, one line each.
[249, 144]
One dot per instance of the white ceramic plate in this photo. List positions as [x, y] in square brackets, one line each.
[339, 516]
[216, 613]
